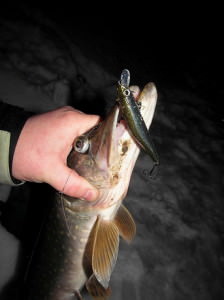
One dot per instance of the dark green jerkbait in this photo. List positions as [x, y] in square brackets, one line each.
[132, 115]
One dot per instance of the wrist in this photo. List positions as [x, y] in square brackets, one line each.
[20, 159]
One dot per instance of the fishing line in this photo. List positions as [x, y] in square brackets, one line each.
[63, 206]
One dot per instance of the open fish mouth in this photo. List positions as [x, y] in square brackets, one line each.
[112, 152]
[119, 140]
[113, 141]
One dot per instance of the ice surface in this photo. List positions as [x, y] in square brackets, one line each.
[178, 250]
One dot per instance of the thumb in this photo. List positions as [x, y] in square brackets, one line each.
[72, 184]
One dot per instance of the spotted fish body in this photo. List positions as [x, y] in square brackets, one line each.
[79, 244]
[61, 252]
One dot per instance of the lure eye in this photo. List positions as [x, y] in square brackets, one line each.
[127, 92]
[81, 144]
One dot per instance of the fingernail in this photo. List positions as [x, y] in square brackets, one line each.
[90, 195]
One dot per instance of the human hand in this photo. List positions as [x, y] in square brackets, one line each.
[43, 146]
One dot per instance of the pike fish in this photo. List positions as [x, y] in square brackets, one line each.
[80, 240]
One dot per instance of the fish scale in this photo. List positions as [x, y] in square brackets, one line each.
[68, 247]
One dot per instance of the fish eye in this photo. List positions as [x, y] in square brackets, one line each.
[81, 144]
[127, 92]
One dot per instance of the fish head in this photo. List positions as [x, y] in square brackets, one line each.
[106, 154]
[96, 153]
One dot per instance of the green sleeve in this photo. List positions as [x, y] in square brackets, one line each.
[12, 120]
[5, 176]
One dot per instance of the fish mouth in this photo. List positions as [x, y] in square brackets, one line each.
[113, 142]
[102, 157]
[105, 146]
[112, 151]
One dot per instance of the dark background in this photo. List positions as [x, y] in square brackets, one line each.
[176, 44]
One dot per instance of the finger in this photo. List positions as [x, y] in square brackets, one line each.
[79, 187]
[85, 121]
[88, 121]
[68, 182]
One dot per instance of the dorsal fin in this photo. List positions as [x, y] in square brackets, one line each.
[125, 224]
[105, 250]
[96, 290]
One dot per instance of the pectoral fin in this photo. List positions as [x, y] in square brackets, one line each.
[105, 250]
[125, 224]
[105, 243]
[96, 290]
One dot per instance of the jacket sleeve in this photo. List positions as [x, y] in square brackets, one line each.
[12, 120]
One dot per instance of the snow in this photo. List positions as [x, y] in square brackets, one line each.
[178, 249]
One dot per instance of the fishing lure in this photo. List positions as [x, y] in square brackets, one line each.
[131, 113]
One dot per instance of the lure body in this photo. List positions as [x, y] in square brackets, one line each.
[131, 113]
